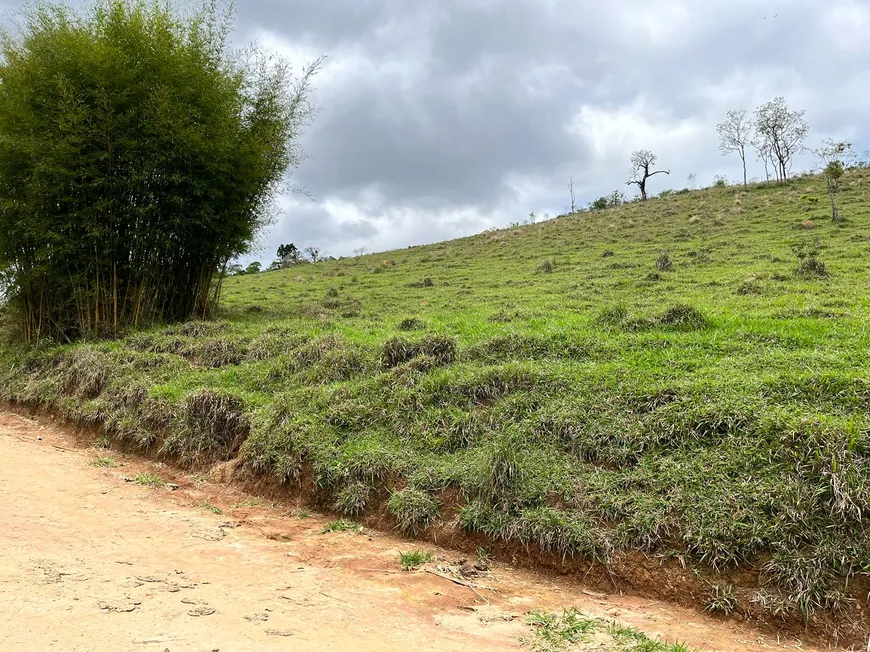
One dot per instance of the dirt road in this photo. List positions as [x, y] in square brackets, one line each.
[90, 561]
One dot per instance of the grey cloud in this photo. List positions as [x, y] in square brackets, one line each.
[458, 99]
[442, 117]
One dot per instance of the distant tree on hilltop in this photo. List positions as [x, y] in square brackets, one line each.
[288, 255]
[641, 162]
[735, 134]
[780, 135]
[836, 157]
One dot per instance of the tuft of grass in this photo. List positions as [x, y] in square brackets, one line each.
[557, 632]
[212, 427]
[554, 632]
[352, 500]
[413, 560]
[104, 462]
[247, 503]
[414, 510]
[214, 509]
[721, 600]
[303, 513]
[342, 525]
[683, 317]
[664, 263]
[147, 479]
[411, 324]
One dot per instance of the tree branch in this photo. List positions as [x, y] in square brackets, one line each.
[652, 174]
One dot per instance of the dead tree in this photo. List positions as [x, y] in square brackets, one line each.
[573, 198]
[641, 161]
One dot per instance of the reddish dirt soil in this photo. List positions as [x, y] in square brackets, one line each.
[91, 561]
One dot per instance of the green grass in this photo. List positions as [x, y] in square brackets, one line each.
[413, 560]
[341, 525]
[214, 509]
[247, 502]
[572, 630]
[147, 479]
[677, 379]
[103, 462]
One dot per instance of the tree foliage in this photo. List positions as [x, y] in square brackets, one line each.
[836, 158]
[780, 135]
[139, 154]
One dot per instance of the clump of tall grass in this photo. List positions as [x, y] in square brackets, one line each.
[212, 427]
[413, 509]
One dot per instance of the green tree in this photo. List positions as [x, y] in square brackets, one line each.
[139, 153]
[288, 254]
[254, 268]
[835, 157]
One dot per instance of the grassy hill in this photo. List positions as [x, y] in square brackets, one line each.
[686, 377]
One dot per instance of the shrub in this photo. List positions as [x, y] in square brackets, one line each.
[812, 267]
[425, 283]
[124, 207]
[546, 267]
[807, 253]
[414, 510]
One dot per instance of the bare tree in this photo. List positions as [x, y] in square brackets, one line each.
[781, 133]
[835, 157]
[314, 254]
[763, 155]
[692, 181]
[735, 134]
[641, 161]
[573, 198]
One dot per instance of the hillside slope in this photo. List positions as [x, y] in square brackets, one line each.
[658, 377]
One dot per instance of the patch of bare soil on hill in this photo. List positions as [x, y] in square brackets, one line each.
[92, 560]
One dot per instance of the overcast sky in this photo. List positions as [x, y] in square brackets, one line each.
[441, 118]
